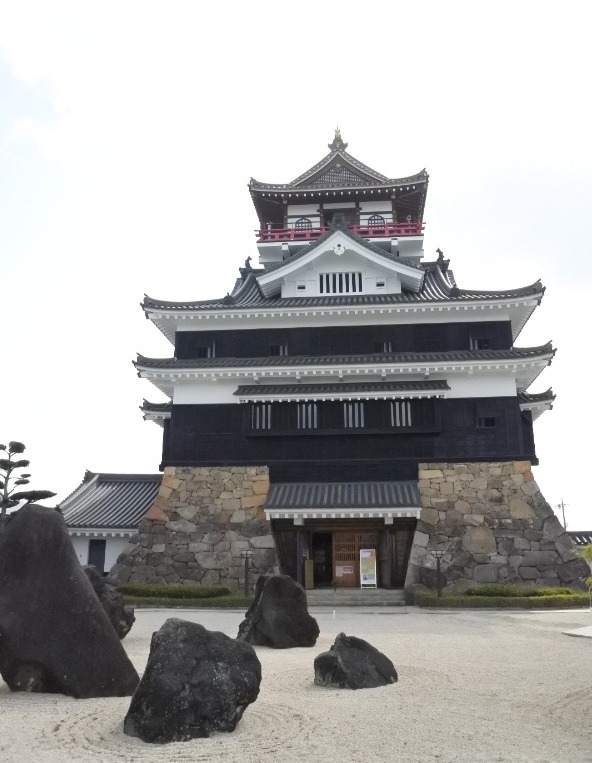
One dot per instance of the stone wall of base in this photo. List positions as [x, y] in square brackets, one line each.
[195, 531]
[494, 526]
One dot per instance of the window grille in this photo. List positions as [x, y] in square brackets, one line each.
[376, 221]
[486, 422]
[479, 343]
[260, 416]
[340, 283]
[303, 223]
[386, 346]
[307, 416]
[353, 415]
[401, 413]
[278, 349]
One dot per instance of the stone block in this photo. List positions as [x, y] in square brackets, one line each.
[164, 491]
[528, 573]
[480, 540]
[237, 546]
[261, 487]
[187, 512]
[521, 466]
[566, 548]
[540, 558]
[170, 481]
[463, 507]
[252, 501]
[485, 573]
[473, 520]
[158, 548]
[479, 483]
[429, 474]
[446, 488]
[420, 539]
[519, 509]
[264, 477]
[262, 541]
[231, 504]
[213, 538]
[429, 516]
[264, 558]
[522, 544]
[156, 514]
[181, 525]
[573, 571]
[530, 488]
[552, 529]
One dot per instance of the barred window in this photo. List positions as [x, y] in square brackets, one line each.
[307, 416]
[206, 351]
[303, 223]
[261, 416]
[353, 415]
[340, 283]
[376, 221]
[278, 349]
[486, 422]
[401, 413]
[386, 346]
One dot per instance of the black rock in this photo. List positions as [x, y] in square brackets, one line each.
[196, 681]
[54, 633]
[278, 616]
[353, 663]
[121, 616]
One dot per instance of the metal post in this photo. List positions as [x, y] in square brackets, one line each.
[438, 577]
[246, 554]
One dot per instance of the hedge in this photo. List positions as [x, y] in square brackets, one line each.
[172, 591]
[506, 589]
[233, 600]
[452, 601]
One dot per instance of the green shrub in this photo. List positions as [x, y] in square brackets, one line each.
[233, 600]
[453, 601]
[172, 591]
[510, 591]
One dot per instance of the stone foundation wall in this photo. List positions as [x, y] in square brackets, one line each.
[194, 532]
[494, 525]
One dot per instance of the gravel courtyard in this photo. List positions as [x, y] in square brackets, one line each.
[477, 686]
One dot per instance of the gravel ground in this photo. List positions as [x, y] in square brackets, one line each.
[473, 686]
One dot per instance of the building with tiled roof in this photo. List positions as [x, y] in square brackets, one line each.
[104, 512]
[341, 366]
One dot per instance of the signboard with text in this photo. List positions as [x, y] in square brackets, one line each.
[368, 568]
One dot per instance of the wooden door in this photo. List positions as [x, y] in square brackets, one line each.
[345, 561]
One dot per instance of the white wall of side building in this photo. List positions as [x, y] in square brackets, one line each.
[113, 547]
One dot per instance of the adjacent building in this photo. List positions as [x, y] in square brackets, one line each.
[348, 394]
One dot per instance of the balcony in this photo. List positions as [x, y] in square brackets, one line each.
[273, 234]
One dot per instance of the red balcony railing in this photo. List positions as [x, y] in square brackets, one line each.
[389, 230]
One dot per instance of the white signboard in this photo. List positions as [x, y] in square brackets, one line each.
[368, 568]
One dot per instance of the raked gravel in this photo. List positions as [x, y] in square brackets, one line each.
[473, 686]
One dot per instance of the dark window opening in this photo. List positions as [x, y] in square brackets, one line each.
[307, 416]
[486, 422]
[303, 223]
[96, 554]
[401, 413]
[340, 283]
[479, 343]
[205, 352]
[278, 349]
[376, 221]
[385, 346]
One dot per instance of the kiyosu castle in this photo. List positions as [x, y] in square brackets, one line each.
[348, 394]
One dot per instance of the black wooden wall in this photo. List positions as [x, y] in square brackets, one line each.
[207, 435]
[336, 340]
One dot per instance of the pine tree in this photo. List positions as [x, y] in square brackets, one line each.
[9, 495]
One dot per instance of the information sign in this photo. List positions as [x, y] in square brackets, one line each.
[368, 568]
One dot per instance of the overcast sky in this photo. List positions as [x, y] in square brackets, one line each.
[128, 134]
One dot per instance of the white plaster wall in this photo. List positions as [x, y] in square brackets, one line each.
[303, 210]
[462, 385]
[382, 206]
[113, 548]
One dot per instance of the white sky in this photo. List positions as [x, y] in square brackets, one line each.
[129, 131]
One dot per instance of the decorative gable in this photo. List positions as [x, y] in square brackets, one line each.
[340, 265]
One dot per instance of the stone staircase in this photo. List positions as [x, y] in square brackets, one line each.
[355, 597]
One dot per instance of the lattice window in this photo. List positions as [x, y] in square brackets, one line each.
[303, 223]
[376, 221]
[260, 416]
[486, 422]
[478, 343]
[207, 351]
[340, 283]
[307, 416]
[278, 349]
[353, 415]
[386, 346]
[401, 413]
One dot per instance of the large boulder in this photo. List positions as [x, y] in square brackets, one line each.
[196, 681]
[54, 633]
[353, 663]
[121, 616]
[278, 616]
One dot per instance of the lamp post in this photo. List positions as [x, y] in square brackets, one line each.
[246, 554]
[438, 553]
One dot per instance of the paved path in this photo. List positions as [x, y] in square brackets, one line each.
[476, 687]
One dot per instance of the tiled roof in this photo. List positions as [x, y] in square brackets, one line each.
[114, 501]
[149, 407]
[342, 495]
[537, 397]
[581, 537]
[386, 358]
[341, 388]
[437, 287]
